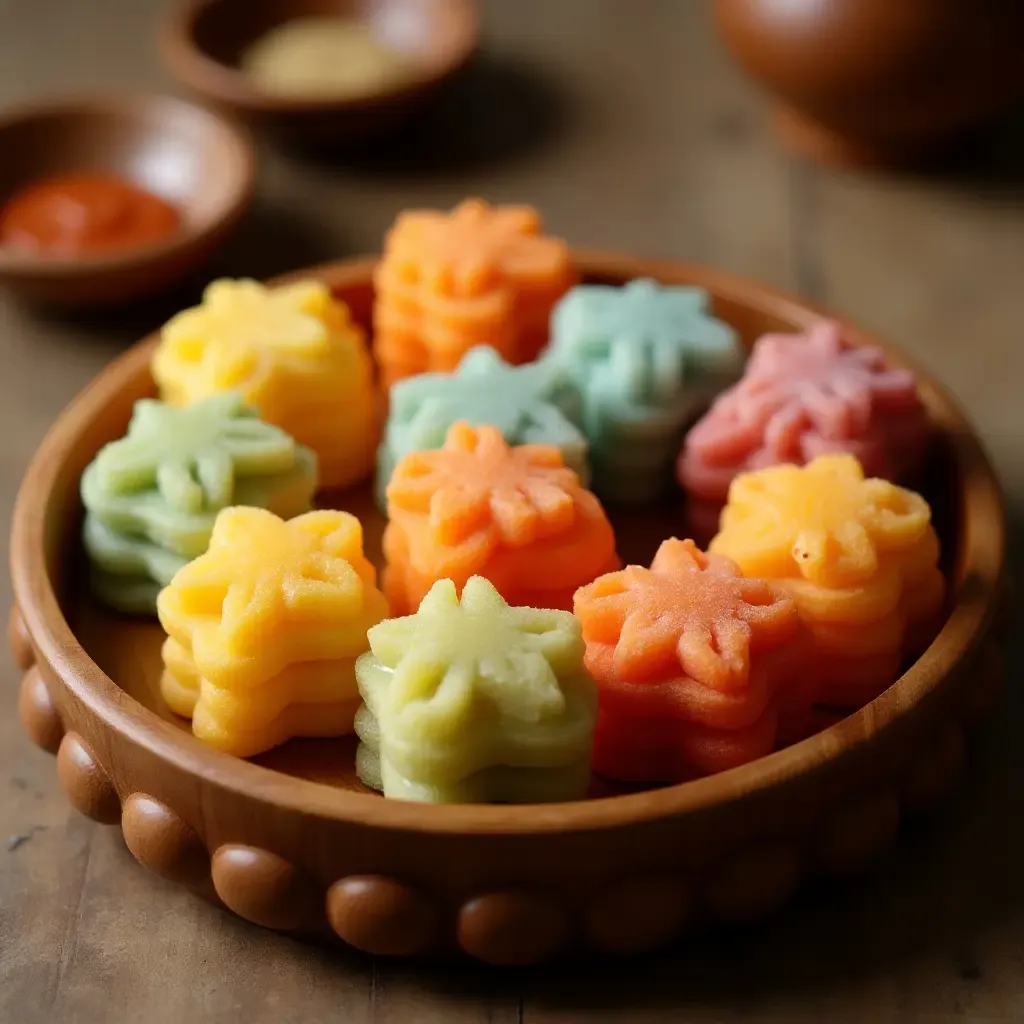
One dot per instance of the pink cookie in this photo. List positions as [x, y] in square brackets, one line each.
[803, 395]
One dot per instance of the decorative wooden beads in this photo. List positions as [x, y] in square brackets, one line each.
[388, 915]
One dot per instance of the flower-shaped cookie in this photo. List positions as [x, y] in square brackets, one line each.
[292, 352]
[687, 656]
[269, 593]
[191, 455]
[307, 699]
[480, 275]
[643, 357]
[125, 571]
[514, 514]
[805, 395]
[151, 497]
[690, 612]
[531, 404]
[824, 522]
[243, 334]
[468, 249]
[177, 467]
[473, 700]
[859, 556]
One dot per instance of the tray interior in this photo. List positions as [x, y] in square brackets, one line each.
[128, 650]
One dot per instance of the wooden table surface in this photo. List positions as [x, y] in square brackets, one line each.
[627, 126]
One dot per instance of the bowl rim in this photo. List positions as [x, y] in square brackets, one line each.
[978, 571]
[230, 86]
[124, 105]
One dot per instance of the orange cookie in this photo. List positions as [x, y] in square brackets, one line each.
[515, 515]
[448, 282]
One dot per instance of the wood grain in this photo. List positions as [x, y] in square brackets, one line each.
[626, 125]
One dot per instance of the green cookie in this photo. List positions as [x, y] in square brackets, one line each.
[152, 497]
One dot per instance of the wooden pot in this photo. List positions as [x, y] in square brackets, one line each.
[878, 81]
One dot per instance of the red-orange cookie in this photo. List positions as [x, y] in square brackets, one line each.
[688, 656]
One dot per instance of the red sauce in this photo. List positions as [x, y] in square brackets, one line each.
[84, 213]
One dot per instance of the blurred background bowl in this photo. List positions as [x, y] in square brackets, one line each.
[878, 82]
[202, 43]
[180, 152]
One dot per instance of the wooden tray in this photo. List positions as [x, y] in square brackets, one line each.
[291, 841]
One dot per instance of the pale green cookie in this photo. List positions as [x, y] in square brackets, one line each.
[191, 455]
[500, 784]
[474, 701]
[125, 572]
[151, 498]
[532, 404]
[146, 514]
[118, 554]
[644, 358]
[134, 595]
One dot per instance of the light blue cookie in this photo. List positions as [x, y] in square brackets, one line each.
[644, 359]
[532, 404]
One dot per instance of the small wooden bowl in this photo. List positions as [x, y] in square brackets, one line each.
[293, 842]
[176, 150]
[202, 42]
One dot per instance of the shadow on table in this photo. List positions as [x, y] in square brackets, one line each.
[275, 240]
[495, 111]
[988, 162]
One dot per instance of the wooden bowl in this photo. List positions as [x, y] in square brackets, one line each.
[877, 82]
[178, 151]
[202, 42]
[291, 840]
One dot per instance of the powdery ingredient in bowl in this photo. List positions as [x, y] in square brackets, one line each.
[324, 57]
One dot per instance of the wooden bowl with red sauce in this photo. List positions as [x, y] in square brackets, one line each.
[291, 840]
[106, 199]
